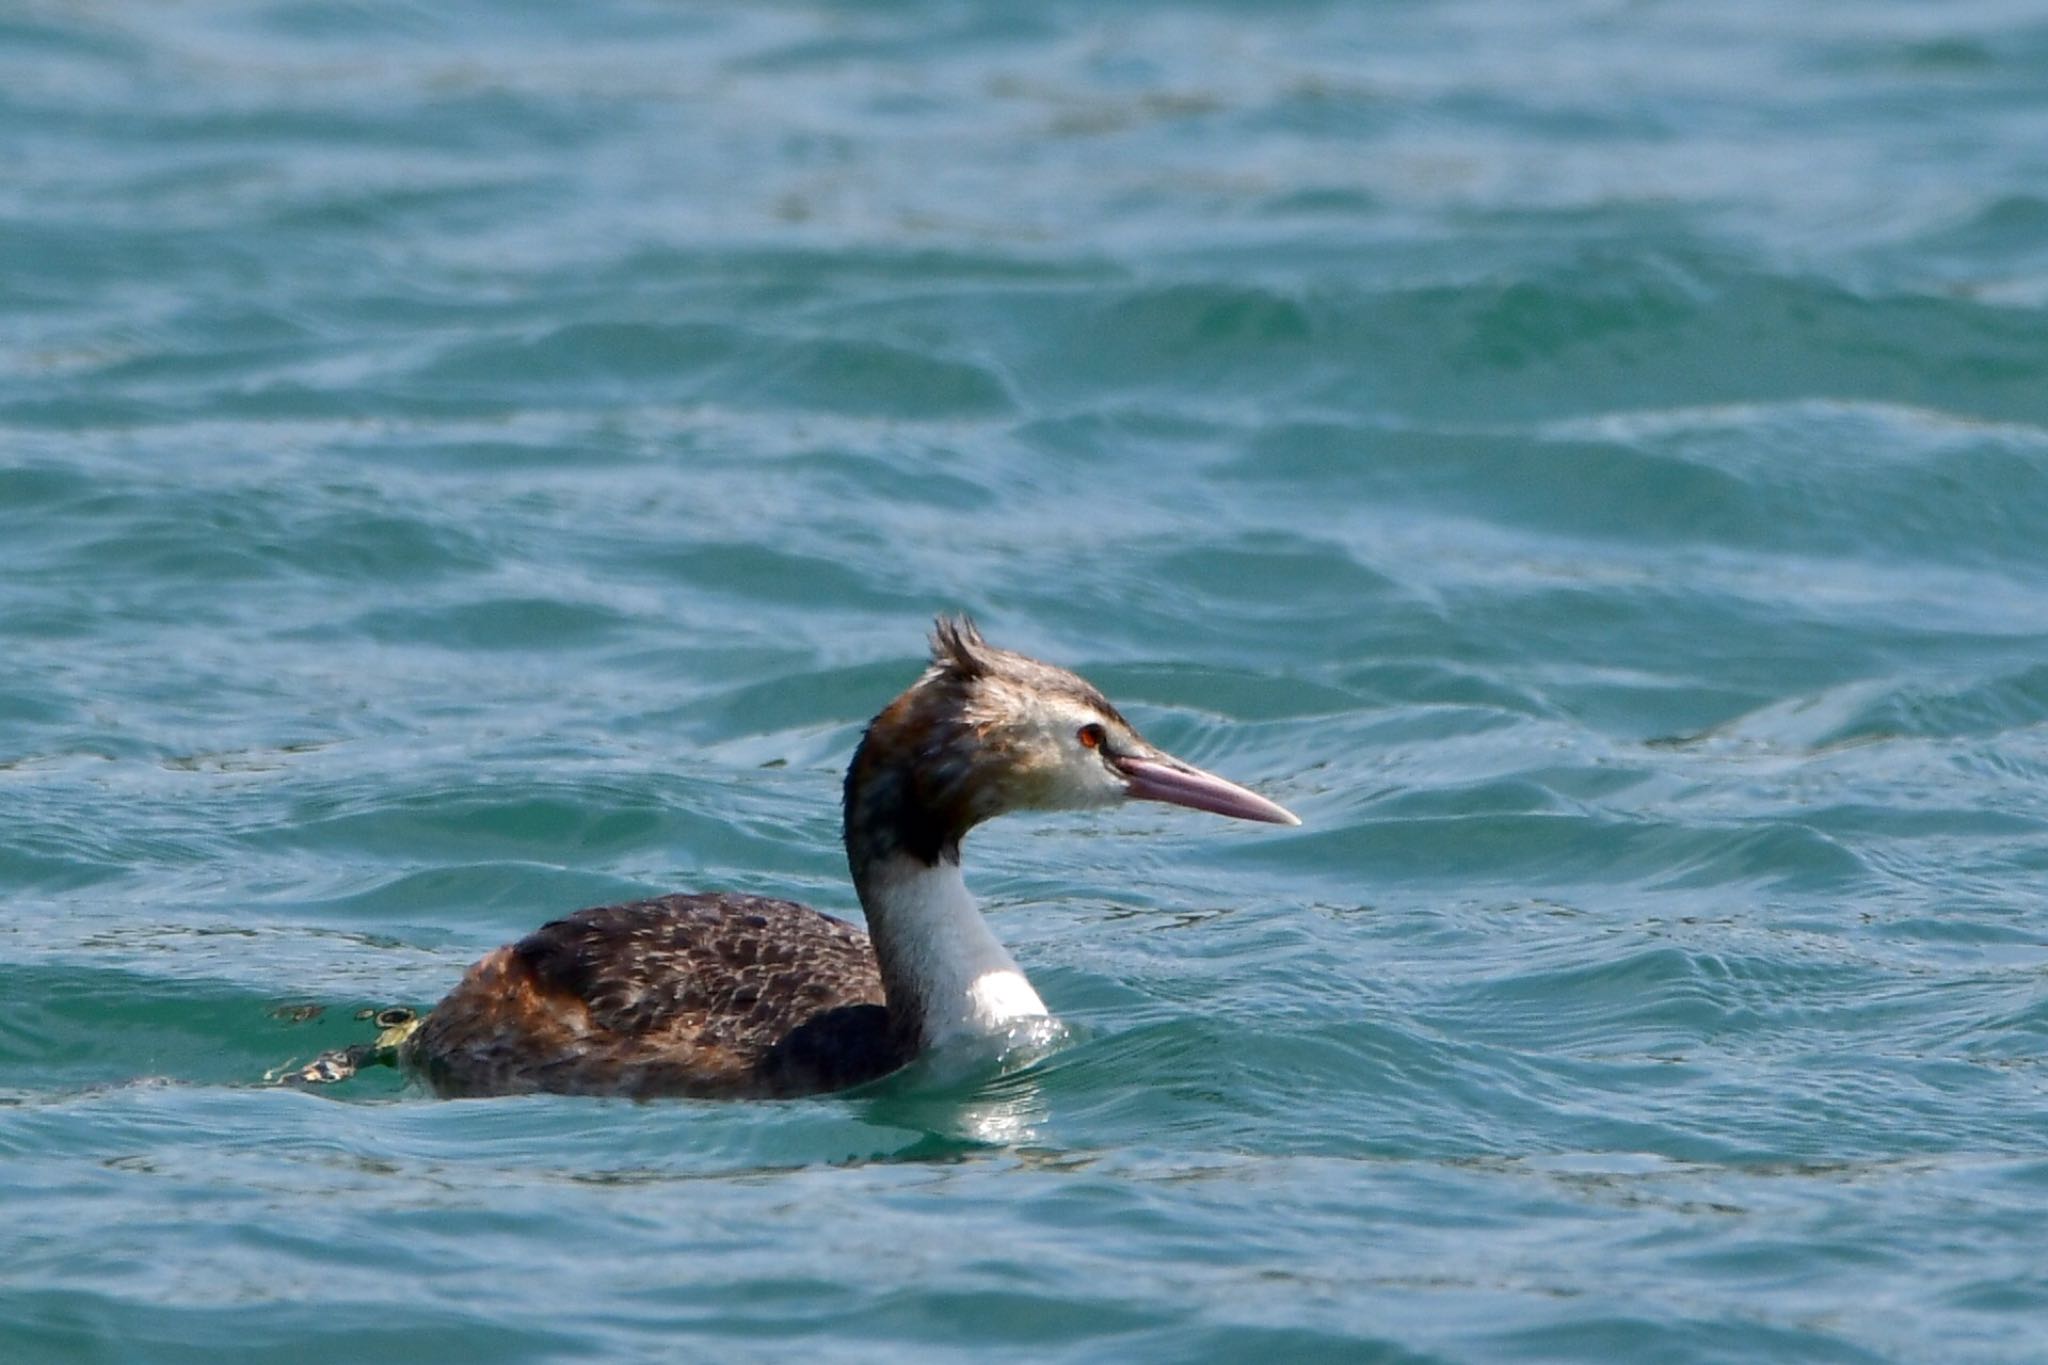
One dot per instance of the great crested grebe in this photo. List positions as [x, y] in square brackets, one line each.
[738, 996]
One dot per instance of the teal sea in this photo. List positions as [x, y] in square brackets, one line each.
[462, 462]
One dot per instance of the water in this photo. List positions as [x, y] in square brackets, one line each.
[463, 462]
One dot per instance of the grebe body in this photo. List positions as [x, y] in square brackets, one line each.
[725, 995]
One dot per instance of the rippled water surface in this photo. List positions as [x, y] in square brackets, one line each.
[463, 462]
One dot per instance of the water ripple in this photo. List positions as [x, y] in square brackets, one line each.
[1594, 469]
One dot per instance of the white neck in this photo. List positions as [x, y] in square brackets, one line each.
[937, 955]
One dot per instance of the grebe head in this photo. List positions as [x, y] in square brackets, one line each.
[987, 731]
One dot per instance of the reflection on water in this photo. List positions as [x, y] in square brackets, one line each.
[984, 1091]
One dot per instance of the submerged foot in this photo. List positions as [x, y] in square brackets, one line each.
[394, 1026]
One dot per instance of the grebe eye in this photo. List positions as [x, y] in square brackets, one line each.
[1091, 736]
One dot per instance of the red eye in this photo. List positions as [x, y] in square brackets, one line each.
[1091, 736]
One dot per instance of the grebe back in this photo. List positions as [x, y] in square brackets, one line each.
[735, 996]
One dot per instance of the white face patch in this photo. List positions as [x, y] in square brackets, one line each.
[1049, 768]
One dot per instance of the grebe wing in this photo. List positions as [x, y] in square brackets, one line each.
[715, 994]
[738, 967]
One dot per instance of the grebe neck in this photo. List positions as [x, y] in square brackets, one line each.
[946, 976]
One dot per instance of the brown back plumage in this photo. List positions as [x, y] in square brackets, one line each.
[713, 995]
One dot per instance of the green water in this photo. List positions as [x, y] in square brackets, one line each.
[463, 462]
